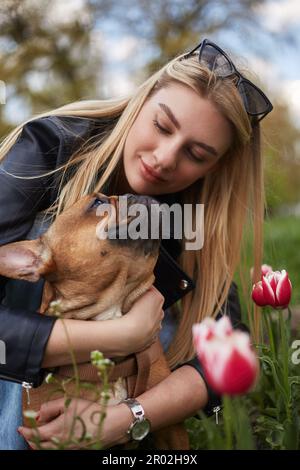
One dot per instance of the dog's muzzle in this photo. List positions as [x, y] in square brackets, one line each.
[139, 226]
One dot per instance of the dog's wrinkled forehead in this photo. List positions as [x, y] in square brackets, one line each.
[128, 220]
[85, 237]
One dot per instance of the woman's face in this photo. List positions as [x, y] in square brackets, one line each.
[177, 138]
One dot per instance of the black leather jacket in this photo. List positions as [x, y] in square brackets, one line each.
[45, 144]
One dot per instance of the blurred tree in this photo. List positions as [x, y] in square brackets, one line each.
[282, 162]
[169, 26]
[49, 56]
[46, 58]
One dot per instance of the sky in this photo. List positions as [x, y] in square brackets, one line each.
[277, 66]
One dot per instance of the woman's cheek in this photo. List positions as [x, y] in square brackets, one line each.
[188, 176]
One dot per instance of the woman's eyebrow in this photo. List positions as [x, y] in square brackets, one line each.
[171, 116]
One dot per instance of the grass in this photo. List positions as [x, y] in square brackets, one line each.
[268, 417]
[281, 251]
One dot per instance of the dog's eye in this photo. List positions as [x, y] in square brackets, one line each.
[97, 202]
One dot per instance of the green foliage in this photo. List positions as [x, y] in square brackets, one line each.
[269, 416]
[46, 60]
[282, 241]
[281, 251]
[80, 439]
[282, 163]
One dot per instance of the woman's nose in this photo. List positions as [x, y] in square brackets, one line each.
[166, 158]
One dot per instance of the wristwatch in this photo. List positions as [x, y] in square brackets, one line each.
[140, 427]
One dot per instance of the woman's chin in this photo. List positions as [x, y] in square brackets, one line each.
[139, 186]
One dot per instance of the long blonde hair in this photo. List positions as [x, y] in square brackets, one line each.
[232, 195]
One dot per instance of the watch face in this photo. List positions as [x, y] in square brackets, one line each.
[140, 429]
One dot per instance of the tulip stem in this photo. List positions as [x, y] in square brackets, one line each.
[289, 316]
[269, 326]
[227, 416]
[285, 359]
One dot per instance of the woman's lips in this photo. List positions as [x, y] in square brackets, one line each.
[149, 174]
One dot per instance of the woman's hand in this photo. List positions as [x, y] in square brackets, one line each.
[131, 333]
[55, 421]
[140, 327]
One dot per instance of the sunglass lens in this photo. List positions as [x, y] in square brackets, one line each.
[255, 103]
[215, 61]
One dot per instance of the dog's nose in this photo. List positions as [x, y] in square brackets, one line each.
[140, 199]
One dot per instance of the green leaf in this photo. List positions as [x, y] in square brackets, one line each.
[291, 435]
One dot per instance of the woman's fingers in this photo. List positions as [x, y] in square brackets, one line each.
[55, 421]
[27, 433]
[42, 433]
[51, 410]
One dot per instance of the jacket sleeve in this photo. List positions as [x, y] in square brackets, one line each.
[25, 333]
[232, 308]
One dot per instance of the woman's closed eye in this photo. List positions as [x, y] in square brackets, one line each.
[161, 129]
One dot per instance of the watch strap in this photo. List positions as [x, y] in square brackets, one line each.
[135, 407]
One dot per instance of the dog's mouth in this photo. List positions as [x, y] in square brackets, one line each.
[136, 221]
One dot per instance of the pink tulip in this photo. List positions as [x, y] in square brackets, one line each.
[230, 364]
[275, 289]
[265, 269]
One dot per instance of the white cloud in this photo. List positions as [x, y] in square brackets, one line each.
[16, 110]
[122, 49]
[114, 49]
[123, 58]
[117, 84]
[279, 15]
[290, 90]
[264, 72]
[268, 75]
[63, 12]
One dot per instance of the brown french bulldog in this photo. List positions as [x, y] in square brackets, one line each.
[92, 277]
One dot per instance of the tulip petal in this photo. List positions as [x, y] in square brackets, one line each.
[229, 363]
[223, 326]
[266, 269]
[269, 293]
[283, 290]
[239, 374]
[258, 294]
[273, 280]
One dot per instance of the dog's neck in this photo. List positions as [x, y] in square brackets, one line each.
[68, 299]
[109, 314]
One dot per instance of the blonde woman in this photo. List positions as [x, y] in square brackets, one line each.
[189, 134]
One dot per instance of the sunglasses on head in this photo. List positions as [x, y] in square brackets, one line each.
[255, 101]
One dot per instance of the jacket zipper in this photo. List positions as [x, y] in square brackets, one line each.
[26, 385]
[216, 410]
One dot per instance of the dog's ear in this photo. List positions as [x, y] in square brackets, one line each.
[27, 260]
